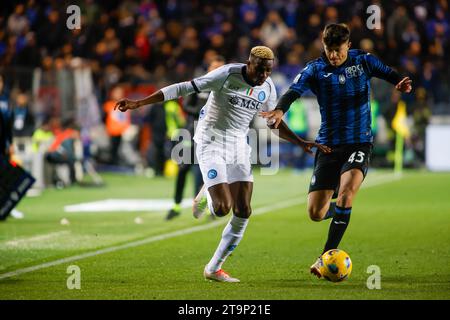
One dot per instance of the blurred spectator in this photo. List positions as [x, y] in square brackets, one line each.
[380, 41]
[331, 15]
[42, 136]
[374, 112]
[18, 22]
[23, 117]
[116, 122]
[358, 30]
[51, 31]
[297, 120]
[156, 157]
[292, 66]
[249, 15]
[30, 55]
[430, 81]
[142, 42]
[396, 23]
[421, 117]
[290, 45]
[40, 142]
[410, 34]
[174, 117]
[290, 12]
[273, 30]
[164, 119]
[6, 120]
[62, 150]
[243, 48]
[187, 53]
[312, 29]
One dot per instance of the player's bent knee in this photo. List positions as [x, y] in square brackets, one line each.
[223, 208]
[316, 215]
[242, 212]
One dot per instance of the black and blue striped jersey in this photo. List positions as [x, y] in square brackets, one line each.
[343, 94]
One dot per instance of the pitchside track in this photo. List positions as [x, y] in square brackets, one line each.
[399, 224]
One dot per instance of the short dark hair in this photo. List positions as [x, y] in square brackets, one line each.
[336, 34]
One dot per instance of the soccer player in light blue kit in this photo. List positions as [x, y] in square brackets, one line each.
[340, 79]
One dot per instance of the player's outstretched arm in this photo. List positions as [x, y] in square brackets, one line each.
[285, 133]
[209, 82]
[126, 104]
[380, 70]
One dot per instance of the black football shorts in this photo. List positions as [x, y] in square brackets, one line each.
[328, 168]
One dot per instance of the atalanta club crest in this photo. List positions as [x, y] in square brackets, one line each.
[341, 79]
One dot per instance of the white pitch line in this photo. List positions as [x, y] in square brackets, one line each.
[258, 211]
[25, 241]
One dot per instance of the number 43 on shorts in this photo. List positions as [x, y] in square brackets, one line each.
[357, 156]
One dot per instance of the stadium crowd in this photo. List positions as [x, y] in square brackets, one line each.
[145, 42]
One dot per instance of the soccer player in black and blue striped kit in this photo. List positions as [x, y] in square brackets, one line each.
[340, 79]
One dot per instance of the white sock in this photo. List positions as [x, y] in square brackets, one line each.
[231, 236]
[210, 202]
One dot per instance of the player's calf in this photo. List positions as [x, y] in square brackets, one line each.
[320, 206]
[350, 183]
[345, 198]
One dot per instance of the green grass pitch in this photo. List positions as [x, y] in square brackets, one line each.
[400, 225]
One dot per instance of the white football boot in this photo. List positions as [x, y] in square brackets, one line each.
[317, 267]
[219, 275]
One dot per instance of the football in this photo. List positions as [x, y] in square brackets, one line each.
[336, 265]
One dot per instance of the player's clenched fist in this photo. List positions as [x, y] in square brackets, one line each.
[125, 104]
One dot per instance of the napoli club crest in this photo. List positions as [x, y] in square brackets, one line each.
[261, 96]
[212, 174]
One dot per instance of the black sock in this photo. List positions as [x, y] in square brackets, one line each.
[338, 226]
